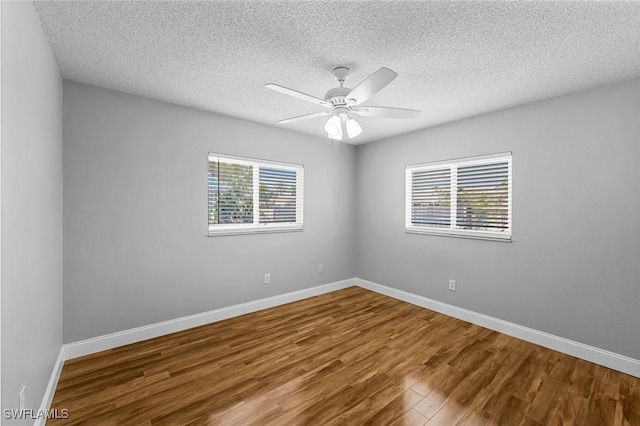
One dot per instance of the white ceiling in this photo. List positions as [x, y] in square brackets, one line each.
[453, 59]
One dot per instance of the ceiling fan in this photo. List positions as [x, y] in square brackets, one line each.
[342, 102]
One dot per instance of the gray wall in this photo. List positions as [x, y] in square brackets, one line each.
[31, 206]
[573, 266]
[135, 214]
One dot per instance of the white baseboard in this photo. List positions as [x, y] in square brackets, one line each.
[121, 338]
[47, 399]
[589, 353]
[579, 350]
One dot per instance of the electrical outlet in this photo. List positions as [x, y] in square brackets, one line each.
[321, 268]
[21, 397]
[452, 285]
[267, 278]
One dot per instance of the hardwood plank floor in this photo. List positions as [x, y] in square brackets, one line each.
[351, 357]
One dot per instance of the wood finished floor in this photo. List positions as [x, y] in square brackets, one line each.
[350, 357]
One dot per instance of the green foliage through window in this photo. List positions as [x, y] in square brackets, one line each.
[230, 193]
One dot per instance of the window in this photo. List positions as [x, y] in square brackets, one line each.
[248, 196]
[469, 197]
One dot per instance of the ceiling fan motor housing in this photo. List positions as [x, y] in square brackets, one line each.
[336, 96]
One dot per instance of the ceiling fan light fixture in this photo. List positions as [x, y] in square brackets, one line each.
[341, 102]
[334, 128]
[353, 128]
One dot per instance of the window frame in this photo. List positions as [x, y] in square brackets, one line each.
[256, 227]
[453, 165]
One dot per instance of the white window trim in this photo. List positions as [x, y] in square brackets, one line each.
[452, 232]
[256, 227]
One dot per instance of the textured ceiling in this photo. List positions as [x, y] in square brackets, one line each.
[453, 59]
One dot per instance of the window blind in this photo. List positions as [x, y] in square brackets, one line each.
[230, 193]
[483, 197]
[277, 195]
[431, 194]
[467, 197]
[247, 195]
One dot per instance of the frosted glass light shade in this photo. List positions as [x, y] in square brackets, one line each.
[353, 128]
[334, 128]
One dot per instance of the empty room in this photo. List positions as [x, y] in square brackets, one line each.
[320, 212]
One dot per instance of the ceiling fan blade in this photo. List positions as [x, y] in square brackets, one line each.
[299, 95]
[303, 117]
[376, 111]
[370, 86]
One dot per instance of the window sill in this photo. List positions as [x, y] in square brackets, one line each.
[478, 235]
[221, 232]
